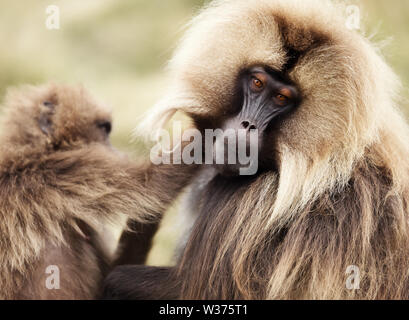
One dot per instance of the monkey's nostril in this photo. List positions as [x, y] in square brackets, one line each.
[245, 124]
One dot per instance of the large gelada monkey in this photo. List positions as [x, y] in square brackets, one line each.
[332, 190]
[60, 181]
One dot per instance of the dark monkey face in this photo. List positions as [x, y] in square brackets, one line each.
[264, 97]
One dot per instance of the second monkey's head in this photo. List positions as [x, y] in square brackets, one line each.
[317, 92]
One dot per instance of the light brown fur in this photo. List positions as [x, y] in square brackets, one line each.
[340, 194]
[60, 179]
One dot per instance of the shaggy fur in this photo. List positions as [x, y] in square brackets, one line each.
[60, 180]
[340, 194]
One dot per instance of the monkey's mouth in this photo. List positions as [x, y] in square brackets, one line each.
[236, 149]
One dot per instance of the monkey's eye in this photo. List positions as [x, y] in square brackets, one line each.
[106, 126]
[281, 100]
[283, 97]
[256, 84]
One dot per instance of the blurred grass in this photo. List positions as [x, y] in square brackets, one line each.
[118, 50]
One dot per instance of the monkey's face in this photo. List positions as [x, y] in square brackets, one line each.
[55, 117]
[263, 98]
[69, 116]
[340, 77]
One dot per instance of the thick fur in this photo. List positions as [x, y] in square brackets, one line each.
[340, 194]
[60, 180]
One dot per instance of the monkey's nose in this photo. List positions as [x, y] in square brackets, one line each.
[248, 125]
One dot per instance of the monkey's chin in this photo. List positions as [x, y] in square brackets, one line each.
[232, 171]
[227, 170]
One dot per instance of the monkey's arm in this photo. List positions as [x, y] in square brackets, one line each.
[141, 283]
[97, 181]
[135, 243]
[136, 239]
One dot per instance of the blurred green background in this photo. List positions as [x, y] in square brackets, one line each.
[119, 48]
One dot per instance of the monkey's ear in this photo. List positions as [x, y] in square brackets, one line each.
[47, 110]
[44, 121]
[48, 104]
